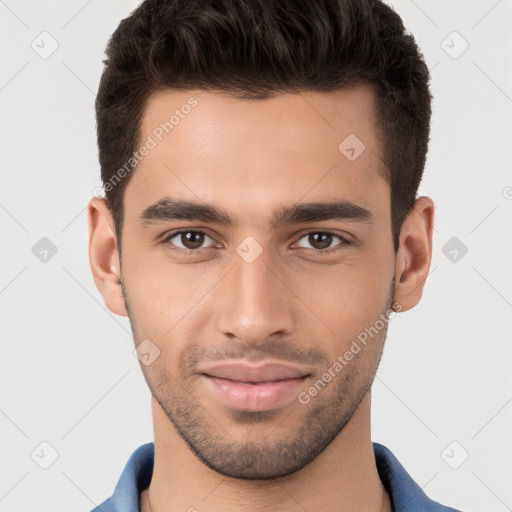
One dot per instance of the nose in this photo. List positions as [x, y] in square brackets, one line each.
[254, 302]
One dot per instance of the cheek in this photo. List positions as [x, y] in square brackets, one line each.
[348, 297]
[165, 299]
[150, 283]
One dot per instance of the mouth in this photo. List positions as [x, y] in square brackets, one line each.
[260, 395]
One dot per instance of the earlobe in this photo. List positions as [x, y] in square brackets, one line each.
[414, 254]
[104, 256]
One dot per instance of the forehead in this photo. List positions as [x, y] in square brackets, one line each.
[213, 147]
[212, 117]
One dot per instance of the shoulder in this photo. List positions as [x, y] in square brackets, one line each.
[135, 477]
[404, 492]
[106, 506]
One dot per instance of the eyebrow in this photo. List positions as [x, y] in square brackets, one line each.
[168, 209]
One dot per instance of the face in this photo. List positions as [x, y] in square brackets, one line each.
[285, 257]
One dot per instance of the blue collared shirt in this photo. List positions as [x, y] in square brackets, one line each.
[405, 494]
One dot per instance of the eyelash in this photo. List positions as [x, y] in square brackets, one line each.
[166, 241]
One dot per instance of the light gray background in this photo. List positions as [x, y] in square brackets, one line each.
[68, 374]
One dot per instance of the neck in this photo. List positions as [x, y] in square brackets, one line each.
[342, 478]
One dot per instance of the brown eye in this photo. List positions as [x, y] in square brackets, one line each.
[321, 241]
[188, 240]
[192, 239]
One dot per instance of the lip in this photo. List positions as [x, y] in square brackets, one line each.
[254, 387]
[262, 372]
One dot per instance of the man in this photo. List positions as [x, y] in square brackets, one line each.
[261, 161]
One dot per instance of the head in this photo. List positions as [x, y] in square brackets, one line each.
[261, 161]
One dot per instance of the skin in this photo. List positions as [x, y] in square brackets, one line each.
[289, 305]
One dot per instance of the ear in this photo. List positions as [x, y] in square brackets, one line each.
[414, 254]
[103, 255]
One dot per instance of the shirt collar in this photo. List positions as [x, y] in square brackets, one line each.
[404, 492]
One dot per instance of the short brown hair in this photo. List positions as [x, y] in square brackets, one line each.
[255, 49]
